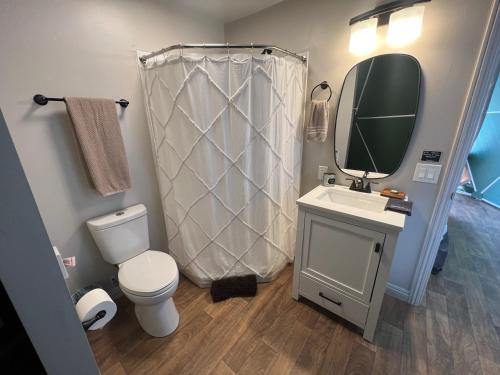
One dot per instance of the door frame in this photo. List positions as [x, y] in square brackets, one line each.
[478, 97]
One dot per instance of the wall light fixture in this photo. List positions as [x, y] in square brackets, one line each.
[405, 25]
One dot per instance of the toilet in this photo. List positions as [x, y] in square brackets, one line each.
[148, 278]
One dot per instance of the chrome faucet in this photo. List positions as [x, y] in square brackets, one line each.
[361, 184]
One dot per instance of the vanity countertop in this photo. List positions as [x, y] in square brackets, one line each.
[368, 207]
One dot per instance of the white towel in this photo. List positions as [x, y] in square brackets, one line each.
[317, 129]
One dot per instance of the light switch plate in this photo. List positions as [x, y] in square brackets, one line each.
[428, 173]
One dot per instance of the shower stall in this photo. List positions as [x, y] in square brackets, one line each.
[226, 133]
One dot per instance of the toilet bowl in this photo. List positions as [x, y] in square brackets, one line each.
[148, 278]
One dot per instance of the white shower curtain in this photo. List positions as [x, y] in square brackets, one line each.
[226, 132]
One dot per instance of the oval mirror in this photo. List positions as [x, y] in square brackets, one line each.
[376, 115]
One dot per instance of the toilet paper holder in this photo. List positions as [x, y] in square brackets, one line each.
[95, 309]
[88, 323]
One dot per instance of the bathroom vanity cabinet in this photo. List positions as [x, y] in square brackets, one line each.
[344, 250]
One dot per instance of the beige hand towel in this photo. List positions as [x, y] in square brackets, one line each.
[100, 138]
[317, 128]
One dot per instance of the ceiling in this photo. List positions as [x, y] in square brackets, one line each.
[224, 10]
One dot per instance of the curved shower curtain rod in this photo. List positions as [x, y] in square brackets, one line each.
[266, 49]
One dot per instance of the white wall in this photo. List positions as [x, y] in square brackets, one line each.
[447, 51]
[84, 48]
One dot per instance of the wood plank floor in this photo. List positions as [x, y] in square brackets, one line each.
[456, 331]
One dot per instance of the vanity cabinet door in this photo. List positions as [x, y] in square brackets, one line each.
[342, 255]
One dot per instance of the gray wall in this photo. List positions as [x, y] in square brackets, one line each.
[447, 50]
[84, 48]
[31, 276]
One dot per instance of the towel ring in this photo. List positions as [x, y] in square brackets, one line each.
[324, 85]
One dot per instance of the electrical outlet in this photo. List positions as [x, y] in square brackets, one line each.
[322, 169]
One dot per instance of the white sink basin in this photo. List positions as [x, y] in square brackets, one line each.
[344, 202]
[353, 199]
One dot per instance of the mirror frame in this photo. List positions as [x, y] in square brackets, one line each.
[416, 113]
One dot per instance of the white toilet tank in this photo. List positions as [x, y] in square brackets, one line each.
[121, 235]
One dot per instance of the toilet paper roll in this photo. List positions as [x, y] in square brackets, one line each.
[91, 303]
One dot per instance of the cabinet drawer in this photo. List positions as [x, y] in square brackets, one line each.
[333, 300]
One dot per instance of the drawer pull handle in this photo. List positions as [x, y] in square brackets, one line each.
[331, 300]
[377, 247]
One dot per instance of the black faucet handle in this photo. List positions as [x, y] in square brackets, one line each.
[368, 187]
[353, 184]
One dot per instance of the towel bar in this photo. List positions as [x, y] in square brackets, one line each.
[43, 100]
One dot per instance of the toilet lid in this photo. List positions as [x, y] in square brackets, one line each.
[148, 272]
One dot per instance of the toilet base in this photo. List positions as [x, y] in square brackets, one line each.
[158, 320]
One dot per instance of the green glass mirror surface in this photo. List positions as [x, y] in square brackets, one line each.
[376, 115]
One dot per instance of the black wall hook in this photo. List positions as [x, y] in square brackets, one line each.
[43, 100]
[323, 85]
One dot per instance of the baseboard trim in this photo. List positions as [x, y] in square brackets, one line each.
[397, 292]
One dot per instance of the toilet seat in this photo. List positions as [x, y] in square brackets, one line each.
[148, 274]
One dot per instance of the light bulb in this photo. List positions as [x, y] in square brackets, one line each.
[405, 26]
[363, 37]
